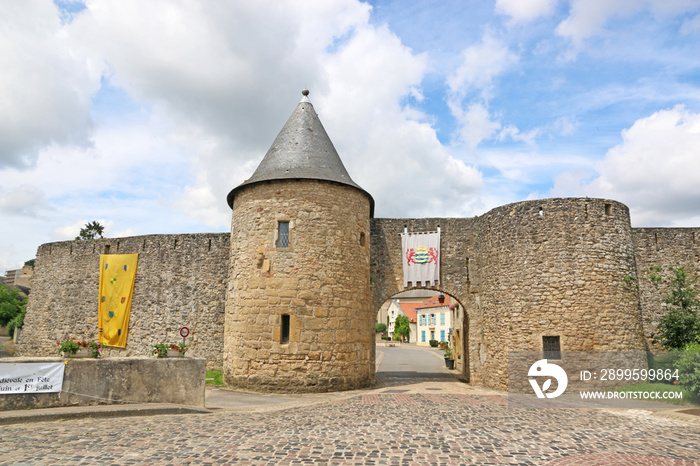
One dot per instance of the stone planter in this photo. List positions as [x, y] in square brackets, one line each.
[174, 354]
[82, 353]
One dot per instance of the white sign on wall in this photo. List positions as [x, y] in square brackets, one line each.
[31, 377]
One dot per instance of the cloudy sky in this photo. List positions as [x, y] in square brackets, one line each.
[143, 115]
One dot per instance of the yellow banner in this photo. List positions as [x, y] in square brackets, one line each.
[117, 274]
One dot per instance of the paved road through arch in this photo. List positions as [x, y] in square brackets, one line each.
[408, 363]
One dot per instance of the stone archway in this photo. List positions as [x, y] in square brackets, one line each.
[434, 315]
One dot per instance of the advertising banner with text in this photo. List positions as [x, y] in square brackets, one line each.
[31, 377]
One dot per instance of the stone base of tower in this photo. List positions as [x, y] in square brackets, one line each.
[297, 384]
[300, 375]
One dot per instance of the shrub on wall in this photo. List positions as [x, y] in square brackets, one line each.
[688, 366]
[681, 324]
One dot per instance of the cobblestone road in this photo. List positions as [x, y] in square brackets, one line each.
[427, 423]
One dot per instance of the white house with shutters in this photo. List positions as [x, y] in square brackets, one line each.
[434, 320]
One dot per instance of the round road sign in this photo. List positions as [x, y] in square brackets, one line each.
[184, 331]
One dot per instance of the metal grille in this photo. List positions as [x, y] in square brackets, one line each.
[551, 347]
[283, 235]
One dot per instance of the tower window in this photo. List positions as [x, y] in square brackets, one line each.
[551, 347]
[608, 209]
[282, 234]
[285, 329]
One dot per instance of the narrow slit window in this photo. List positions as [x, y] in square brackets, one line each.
[282, 234]
[608, 209]
[551, 347]
[285, 329]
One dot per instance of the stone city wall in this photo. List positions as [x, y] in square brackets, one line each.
[657, 250]
[554, 267]
[572, 268]
[180, 281]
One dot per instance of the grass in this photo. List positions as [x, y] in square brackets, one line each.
[216, 378]
[661, 387]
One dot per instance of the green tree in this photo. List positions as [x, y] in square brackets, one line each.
[92, 230]
[11, 304]
[379, 328]
[401, 327]
[681, 324]
[30, 262]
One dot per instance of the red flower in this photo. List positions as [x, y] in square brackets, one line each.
[675, 383]
[72, 338]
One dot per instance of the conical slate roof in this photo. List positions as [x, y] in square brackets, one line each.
[302, 150]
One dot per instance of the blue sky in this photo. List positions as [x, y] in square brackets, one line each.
[143, 115]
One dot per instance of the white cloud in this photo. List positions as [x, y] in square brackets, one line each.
[390, 149]
[588, 18]
[23, 200]
[691, 25]
[481, 64]
[471, 86]
[656, 169]
[475, 124]
[524, 11]
[566, 126]
[46, 83]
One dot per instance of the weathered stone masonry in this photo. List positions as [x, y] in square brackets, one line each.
[180, 281]
[321, 281]
[575, 271]
[299, 317]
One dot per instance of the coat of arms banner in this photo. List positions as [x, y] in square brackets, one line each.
[421, 258]
[117, 276]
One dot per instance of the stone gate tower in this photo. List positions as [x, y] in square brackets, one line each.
[298, 314]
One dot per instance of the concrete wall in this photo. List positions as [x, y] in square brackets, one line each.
[120, 380]
[180, 281]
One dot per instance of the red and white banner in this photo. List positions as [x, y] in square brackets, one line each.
[421, 258]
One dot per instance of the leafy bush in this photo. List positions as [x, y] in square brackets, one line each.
[665, 361]
[17, 322]
[688, 366]
[379, 328]
[433, 343]
[11, 304]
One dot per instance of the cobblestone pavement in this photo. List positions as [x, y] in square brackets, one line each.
[426, 423]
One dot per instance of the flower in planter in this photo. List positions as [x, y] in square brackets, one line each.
[70, 347]
[161, 349]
